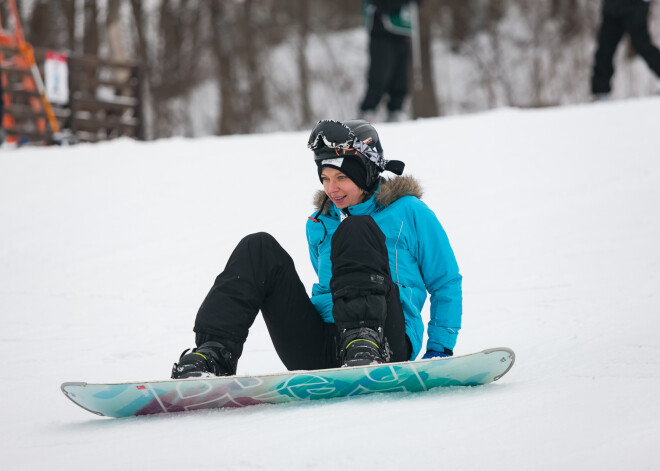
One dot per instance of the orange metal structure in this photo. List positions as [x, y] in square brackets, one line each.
[18, 55]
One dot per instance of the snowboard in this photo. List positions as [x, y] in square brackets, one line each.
[179, 395]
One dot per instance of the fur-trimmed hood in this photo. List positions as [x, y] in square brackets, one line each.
[389, 191]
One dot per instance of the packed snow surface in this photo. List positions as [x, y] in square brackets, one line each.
[106, 252]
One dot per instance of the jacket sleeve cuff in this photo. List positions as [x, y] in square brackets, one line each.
[441, 338]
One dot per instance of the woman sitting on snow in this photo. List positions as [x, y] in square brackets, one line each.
[377, 250]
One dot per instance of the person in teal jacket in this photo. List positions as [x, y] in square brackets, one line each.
[421, 259]
[377, 250]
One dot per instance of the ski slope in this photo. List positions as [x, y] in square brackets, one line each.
[106, 252]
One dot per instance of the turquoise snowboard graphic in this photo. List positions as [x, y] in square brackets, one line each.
[157, 397]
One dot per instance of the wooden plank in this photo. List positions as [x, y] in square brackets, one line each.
[7, 48]
[25, 112]
[84, 136]
[88, 60]
[18, 111]
[78, 80]
[16, 70]
[93, 104]
[32, 135]
[22, 92]
[93, 124]
[89, 137]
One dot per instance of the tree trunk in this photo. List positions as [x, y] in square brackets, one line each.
[117, 49]
[39, 27]
[221, 32]
[144, 111]
[69, 12]
[303, 67]
[91, 41]
[424, 101]
[113, 26]
[255, 105]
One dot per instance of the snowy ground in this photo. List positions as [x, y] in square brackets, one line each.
[106, 252]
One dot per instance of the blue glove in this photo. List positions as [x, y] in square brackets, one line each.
[434, 354]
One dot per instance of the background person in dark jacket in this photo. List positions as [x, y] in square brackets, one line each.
[618, 18]
[389, 24]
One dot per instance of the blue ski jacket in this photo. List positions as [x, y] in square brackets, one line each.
[421, 260]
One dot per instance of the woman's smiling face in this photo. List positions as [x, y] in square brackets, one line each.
[340, 189]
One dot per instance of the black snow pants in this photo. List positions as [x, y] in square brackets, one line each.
[388, 71]
[261, 276]
[621, 17]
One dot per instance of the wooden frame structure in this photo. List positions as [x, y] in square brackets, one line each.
[105, 96]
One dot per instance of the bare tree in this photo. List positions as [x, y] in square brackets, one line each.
[172, 62]
[424, 101]
[303, 66]
[91, 37]
[39, 25]
[222, 49]
[67, 7]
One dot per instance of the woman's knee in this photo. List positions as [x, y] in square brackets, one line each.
[262, 244]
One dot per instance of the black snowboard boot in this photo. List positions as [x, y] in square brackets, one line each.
[363, 346]
[209, 359]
